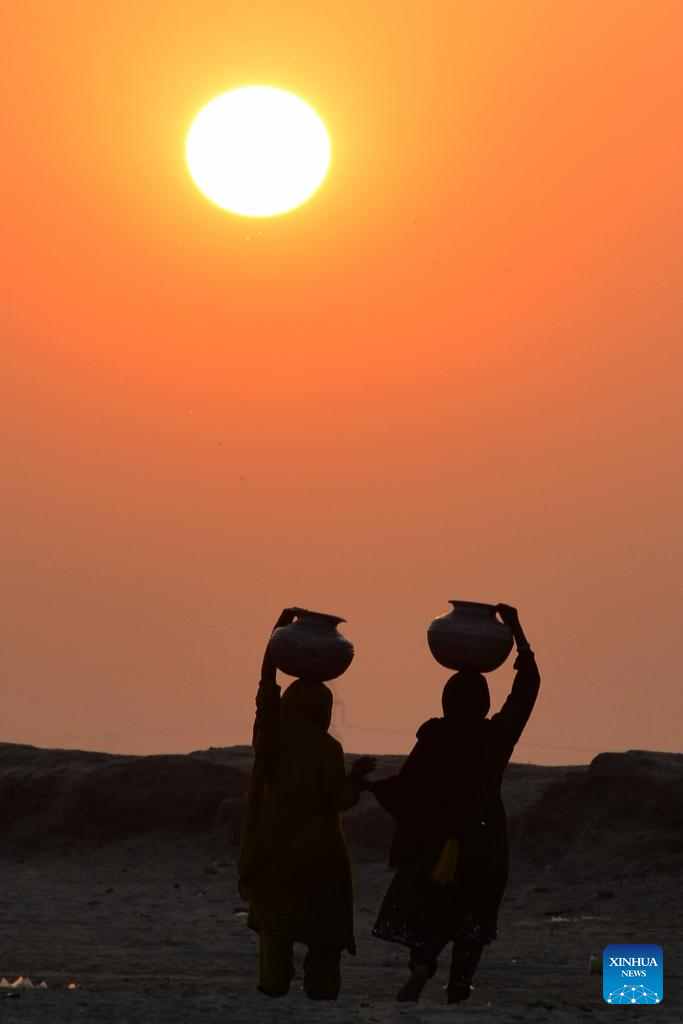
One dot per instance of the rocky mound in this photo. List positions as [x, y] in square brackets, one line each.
[623, 812]
[77, 795]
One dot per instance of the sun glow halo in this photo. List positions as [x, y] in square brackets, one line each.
[257, 151]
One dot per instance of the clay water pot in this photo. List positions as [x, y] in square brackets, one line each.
[470, 637]
[311, 647]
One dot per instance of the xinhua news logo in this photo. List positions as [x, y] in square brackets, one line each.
[633, 973]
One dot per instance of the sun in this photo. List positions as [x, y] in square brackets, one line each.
[257, 151]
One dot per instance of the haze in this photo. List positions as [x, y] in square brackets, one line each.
[454, 373]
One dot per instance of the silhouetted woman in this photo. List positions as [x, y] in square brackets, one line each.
[450, 848]
[294, 865]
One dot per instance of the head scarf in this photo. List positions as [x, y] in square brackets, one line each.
[308, 700]
[465, 697]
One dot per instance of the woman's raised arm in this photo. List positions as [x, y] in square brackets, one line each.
[268, 697]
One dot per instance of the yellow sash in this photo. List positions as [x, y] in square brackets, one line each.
[444, 870]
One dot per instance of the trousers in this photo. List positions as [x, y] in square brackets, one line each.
[464, 960]
[322, 968]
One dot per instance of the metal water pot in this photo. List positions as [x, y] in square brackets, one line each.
[311, 647]
[470, 637]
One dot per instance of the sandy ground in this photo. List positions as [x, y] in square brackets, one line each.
[153, 930]
[152, 936]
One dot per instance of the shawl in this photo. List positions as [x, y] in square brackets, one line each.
[297, 768]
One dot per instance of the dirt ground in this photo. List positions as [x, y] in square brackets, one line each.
[153, 931]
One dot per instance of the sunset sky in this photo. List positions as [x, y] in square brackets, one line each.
[453, 373]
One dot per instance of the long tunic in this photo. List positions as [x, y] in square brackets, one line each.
[449, 788]
[294, 864]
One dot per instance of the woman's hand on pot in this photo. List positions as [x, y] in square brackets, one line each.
[509, 615]
[287, 616]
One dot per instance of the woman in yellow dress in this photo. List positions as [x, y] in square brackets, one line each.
[294, 864]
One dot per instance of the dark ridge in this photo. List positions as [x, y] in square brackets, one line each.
[621, 814]
[57, 795]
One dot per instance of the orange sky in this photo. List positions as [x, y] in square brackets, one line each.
[455, 372]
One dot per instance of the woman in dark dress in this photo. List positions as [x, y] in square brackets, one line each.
[450, 848]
